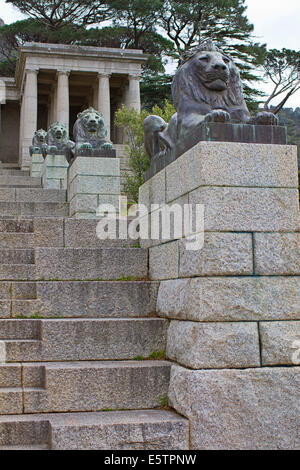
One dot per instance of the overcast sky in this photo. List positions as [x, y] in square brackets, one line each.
[276, 22]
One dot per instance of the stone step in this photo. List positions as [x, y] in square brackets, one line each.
[30, 447]
[91, 263]
[16, 256]
[11, 399]
[32, 195]
[9, 240]
[17, 272]
[75, 264]
[116, 430]
[79, 299]
[12, 226]
[87, 386]
[77, 340]
[20, 182]
[23, 432]
[13, 172]
[34, 209]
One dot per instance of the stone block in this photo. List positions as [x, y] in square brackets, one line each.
[88, 264]
[10, 375]
[222, 254]
[55, 172]
[252, 409]
[36, 165]
[82, 233]
[21, 272]
[213, 345]
[87, 340]
[280, 342]
[49, 232]
[54, 184]
[5, 290]
[5, 309]
[20, 181]
[162, 220]
[24, 432]
[16, 257]
[107, 385]
[248, 209]
[84, 203]
[232, 164]
[86, 166]
[277, 253]
[153, 191]
[23, 290]
[7, 194]
[230, 299]
[113, 299]
[94, 185]
[125, 430]
[40, 195]
[163, 261]
[11, 401]
[16, 240]
[56, 161]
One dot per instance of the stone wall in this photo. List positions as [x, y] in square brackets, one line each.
[234, 305]
[123, 155]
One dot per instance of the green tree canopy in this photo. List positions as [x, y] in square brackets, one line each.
[162, 28]
[282, 69]
[57, 13]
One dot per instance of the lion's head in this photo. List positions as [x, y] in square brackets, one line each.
[39, 137]
[58, 133]
[92, 121]
[208, 75]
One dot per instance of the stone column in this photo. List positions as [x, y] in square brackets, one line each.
[104, 99]
[28, 115]
[133, 97]
[63, 100]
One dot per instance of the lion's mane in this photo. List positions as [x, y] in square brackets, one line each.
[51, 137]
[187, 83]
[81, 131]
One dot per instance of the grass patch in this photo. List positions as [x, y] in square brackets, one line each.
[158, 355]
[139, 358]
[163, 403]
[128, 278]
[36, 316]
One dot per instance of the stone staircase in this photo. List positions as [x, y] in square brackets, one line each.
[81, 363]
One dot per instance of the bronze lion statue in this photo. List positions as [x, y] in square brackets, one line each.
[39, 145]
[206, 87]
[90, 132]
[58, 141]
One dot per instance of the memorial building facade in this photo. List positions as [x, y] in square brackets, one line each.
[55, 82]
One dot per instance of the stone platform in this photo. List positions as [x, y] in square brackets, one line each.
[233, 303]
[221, 132]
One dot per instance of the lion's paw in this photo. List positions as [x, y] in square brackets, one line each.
[85, 146]
[52, 149]
[266, 119]
[217, 115]
[107, 146]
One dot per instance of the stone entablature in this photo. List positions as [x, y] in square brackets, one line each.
[11, 90]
